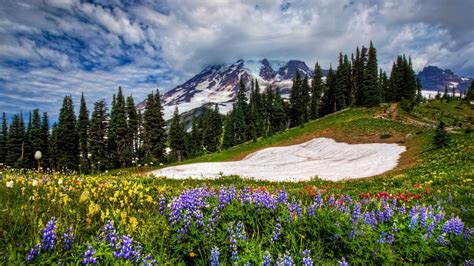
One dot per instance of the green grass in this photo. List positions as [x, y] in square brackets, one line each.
[453, 113]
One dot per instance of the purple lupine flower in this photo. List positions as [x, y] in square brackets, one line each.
[162, 205]
[295, 208]
[413, 222]
[34, 252]
[286, 260]
[148, 261]
[263, 199]
[199, 218]
[467, 234]
[111, 236]
[307, 261]
[225, 197]
[68, 239]
[468, 263]
[440, 240]
[245, 195]
[310, 210]
[88, 256]
[335, 237]
[353, 233]
[282, 196]
[422, 217]
[276, 231]
[369, 218]
[454, 225]
[383, 236]
[331, 200]
[267, 259]
[212, 221]
[240, 231]
[234, 256]
[318, 201]
[450, 198]
[356, 214]
[402, 210]
[343, 262]
[215, 256]
[48, 237]
[124, 250]
[388, 213]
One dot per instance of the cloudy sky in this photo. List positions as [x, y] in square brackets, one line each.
[50, 48]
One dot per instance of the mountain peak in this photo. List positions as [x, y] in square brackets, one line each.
[436, 79]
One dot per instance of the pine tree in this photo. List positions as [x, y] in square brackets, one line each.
[97, 136]
[328, 100]
[384, 86]
[154, 129]
[240, 113]
[177, 137]
[316, 92]
[118, 132]
[358, 75]
[343, 90]
[296, 113]
[229, 131]
[68, 138]
[470, 92]
[36, 135]
[280, 118]
[133, 127]
[441, 136]
[45, 141]
[305, 100]
[269, 112]
[53, 148]
[28, 152]
[83, 132]
[3, 139]
[15, 142]
[371, 91]
[213, 129]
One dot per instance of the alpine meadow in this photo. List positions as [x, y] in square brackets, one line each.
[195, 132]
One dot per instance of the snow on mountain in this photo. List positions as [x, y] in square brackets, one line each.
[220, 83]
[435, 79]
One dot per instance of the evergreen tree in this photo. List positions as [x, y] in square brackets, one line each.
[296, 112]
[343, 89]
[97, 136]
[358, 75]
[213, 129]
[470, 92]
[268, 102]
[371, 91]
[36, 135]
[28, 152]
[229, 131]
[3, 139]
[133, 127]
[280, 118]
[68, 138]
[53, 148]
[402, 83]
[441, 136]
[16, 134]
[305, 99]
[177, 137]
[241, 128]
[83, 132]
[154, 129]
[118, 133]
[45, 141]
[316, 92]
[257, 109]
[383, 85]
[328, 100]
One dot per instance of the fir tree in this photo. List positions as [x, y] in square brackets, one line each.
[371, 91]
[36, 135]
[53, 148]
[177, 137]
[305, 99]
[133, 127]
[154, 129]
[343, 89]
[316, 92]
[328, 100]
[296, 112]
[280, 118]
[441, 136]
[213, 129]
[15, 142]
[3, 139]
[68, 139]
[45, 141]
[28, 152]
[470, 92]
[383, 85]
[83, 132]
[229, 131]
[97, 136]
[240, 113]
[118, 132]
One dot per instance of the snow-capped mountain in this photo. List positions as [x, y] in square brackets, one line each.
[435, 79]
[220, 83]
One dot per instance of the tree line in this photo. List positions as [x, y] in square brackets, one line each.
[126, 137]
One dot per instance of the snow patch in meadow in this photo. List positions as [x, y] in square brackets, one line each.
[323, 157]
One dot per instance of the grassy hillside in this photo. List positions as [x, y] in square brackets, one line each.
[407, 215]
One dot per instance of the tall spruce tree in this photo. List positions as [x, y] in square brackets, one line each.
[118, 133]
[28, 152]
[296, 112]
[470, 92]
[280, 110]
[371, 91]
[240, 113]
[229, 131]
[83, 132]
[269, 111]
[133, 127]
[154, 129]
[213, 131]
[177, 137]
[68, 138]
[316, 91]
[15, 142]
[53, 148]
[45, 141]
[3, 139]
[97, 136]
[343, 88]
[36, 135]
[328, 100]
[305, 99]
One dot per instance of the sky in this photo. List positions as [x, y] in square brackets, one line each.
[53, 48]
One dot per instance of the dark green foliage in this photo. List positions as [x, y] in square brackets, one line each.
[3, 139]
[383, 85]
[213, 129]
[196, 136]
[343, 88]
[407, 105]
[97, 133]
[229, 131]
[470, 92]
[154, 135]
[441, 136]
[256, 113]
[118, 148]
[305, 99]
[36, 135]
[316, 92]
[15, 142]
[133, 127]
[329, 101]
[280, 110]
[28, 152]
[68, 138]
[241, 118]
[53, 148]
[371, 91]
[298, 108]
[403, 83]
[45, 141]
[177, 138]
[83, 131]
[358, 67]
